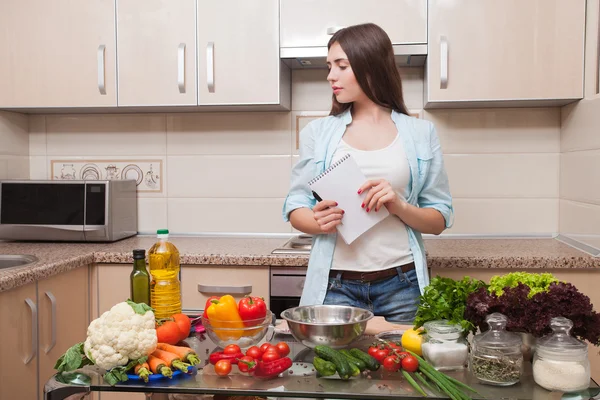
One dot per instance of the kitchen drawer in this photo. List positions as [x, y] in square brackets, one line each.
[305, 23]
[199, 282]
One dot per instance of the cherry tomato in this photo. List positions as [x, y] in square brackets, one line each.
[395, 346]
[254, 352]
[232, 349]
[265, 346]
[391, 363]
[373, 351]
[271, 355]
[381, 354]
[283, 348]
[410, 364]
[403, 354]
[247, 364]
[223, 367]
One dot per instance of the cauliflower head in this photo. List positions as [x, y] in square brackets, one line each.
[126, 332]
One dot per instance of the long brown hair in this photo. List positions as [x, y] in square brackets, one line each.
[371, 56]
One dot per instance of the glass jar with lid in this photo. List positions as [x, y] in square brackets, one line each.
[496, 356]
[560, 361]
[444, 345]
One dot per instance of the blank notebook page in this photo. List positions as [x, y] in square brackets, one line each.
[340, 183]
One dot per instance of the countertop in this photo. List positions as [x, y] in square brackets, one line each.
[55, 258]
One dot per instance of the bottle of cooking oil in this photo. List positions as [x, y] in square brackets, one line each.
[165, 289]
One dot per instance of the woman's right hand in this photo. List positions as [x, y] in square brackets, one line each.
[328, 215]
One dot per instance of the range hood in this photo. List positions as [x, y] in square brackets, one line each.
[407, 55]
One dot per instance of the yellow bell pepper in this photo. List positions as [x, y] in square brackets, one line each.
[223, 313]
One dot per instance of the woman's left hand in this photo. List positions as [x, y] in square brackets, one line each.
[380, 193]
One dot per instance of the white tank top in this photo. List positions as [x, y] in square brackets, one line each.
[386, 244]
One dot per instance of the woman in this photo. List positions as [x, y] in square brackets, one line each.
[384, 270]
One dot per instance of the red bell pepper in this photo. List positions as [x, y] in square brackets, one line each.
[208, 304]
[272, 368]
[252, 308]
[219, 355]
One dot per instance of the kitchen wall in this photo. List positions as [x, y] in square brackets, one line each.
[14, 146]
[229, 172]
[580, 149]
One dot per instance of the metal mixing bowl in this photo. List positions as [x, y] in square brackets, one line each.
[334, 326]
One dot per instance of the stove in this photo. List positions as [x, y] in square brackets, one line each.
[297, 245]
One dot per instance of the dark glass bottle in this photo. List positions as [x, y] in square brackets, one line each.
[139, 278]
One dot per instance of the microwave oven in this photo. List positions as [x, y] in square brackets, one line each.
[68, 210]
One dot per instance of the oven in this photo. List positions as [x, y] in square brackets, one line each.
[286, 284]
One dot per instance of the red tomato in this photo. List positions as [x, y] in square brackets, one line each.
[271, 355]
[410, 364]
[381, 354]
[247, 364]
[395, 346]
[254, 352]
[184, 324]
[373, 351]
[232, 349]
[168, 332]
[283, 348]
[265, 346]
[223, 367]
[391, 363]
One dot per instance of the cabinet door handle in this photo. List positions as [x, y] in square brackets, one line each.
[225, 289]
[101, 69]
[181, 67]
[443, 62]
[210, 66]
[333, 29]
[34, 330]
[53, 322]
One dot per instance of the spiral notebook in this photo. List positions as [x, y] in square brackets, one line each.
[340, 182]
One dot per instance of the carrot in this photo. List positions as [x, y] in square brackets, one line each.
[158, 366]
[171, 359]
[143, 371]
[185, 353]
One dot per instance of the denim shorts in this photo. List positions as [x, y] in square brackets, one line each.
[396, 298]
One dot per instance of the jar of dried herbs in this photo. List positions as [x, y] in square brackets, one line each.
[496, 356]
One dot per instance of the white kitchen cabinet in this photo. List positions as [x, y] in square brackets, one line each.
[512, 51]
[199, 282]
[310, 23]
[238, 54]
[57, 54]
[40, 321]
[156, 44]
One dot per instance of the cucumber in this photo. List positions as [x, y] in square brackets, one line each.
[354, 370]
[372, 364]
[341, 364]
[353, 360]
[324, 368]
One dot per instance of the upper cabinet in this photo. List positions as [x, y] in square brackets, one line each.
[238, 53]
[58, 53]
[512, 51]
[156, 44]
[310, 23]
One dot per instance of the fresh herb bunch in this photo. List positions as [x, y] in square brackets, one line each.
[536, 282]
[446, 298]
[532, 314]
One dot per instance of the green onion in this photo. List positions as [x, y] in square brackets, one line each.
[413, 383]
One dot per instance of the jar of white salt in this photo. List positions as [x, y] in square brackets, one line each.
[444, 345]
[561, 362]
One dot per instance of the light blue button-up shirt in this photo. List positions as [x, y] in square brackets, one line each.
[428, 187]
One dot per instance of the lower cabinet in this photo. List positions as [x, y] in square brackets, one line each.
[585, 280]
[40, 321]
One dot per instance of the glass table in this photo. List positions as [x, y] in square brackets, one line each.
[300, 381]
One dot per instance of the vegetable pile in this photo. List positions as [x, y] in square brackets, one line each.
[266, 361]
[393, 358]
[446, 298]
